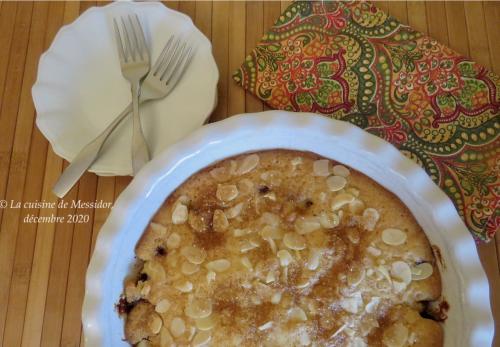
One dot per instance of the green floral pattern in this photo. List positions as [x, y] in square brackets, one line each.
[353, 62]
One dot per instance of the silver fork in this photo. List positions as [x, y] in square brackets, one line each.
[134, 61]
[160, 81]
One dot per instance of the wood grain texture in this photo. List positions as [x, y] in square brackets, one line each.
[43, 266]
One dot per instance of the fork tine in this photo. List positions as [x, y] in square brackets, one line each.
[176, 55]
[128, 44]
[141, 38]
[180, 57]
[167, 59]
[119, 41]
[180, 67]
[133, 37]
[161, 57]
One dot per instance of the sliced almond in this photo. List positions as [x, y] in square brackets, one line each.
[396, 335]
[143, 343]
[155, 271]
[352, 304]
[296, 161]
[374, 251]
[219, 221]
[294, 241]
[188, 268]
[246, 263]
[246, 245]
[246, 187]
[248, 163]
[355, 276]
[296, 314]
[183, 286]
[321, 167]
[177, 327]
[173, 240]
[211, 275]
[270, 219]
[193, 254]
[206, 323]
[269, 232]
[265, 326]
[285, 257]
[162, 306]
[234, 211]
[226, 192]
[393, 237]
[314, 259]
[421, 271]
[370, 218]
[155, 323]
[219, 265]
[401, 272]
[304, 339]
[270, 277]
[276, 298]
[179, 214]
[336, 183]
[341, 170]
[306, 225]
[329, 220]
[371, 307]
[220, 174]
[340, 200]
[201, 338]
[356, 207]
[198, 308]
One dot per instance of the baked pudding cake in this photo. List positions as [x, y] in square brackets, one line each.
[282, 248]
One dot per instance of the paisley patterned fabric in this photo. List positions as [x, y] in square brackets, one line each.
[353, 62]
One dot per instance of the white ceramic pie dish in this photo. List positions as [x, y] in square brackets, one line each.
[80, 88]
[465, 286]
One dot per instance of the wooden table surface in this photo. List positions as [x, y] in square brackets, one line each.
[42, 266]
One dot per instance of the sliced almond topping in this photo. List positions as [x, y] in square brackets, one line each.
[294, 241]
[396, 335]
[352, 304]
[234, 211]
[340, 200]
[385, 273]
[206, 323]
[306, 225]
[173, 240]
[373, 251]
[188, 268]
[177, 327]
[248, 163]
[199, 308]
[421, 271]
[296, 314]
[304, 339]
[155, 323]
[247, 245]
[219, 265]
[270, 219]
[270, 277]
[183, 286]
[285, 257]
[193, 254]
[393, 237]
[143, 343]
[269, 232]
[336, 183]
[246, 263]
[265, 326]
[329, 220]
[162, 306]
[314, 259]
[219, 221]
[370, 218]
[246, 187]
[401, 272]
[179, 214]
[320, 167]
[226, 192]
[201, 338]
[276, 298]
[355, 276]
[211, 276]
[155, 271]
[296, 161]
[220, 174]
[371, 307]
[356, 207]
[341, 170]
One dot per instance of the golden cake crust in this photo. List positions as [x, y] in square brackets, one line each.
[282, 248]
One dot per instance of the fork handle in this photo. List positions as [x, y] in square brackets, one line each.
[86, 157]
[140, 153]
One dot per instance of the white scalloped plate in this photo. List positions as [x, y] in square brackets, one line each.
[465, 285]
[80, 88]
